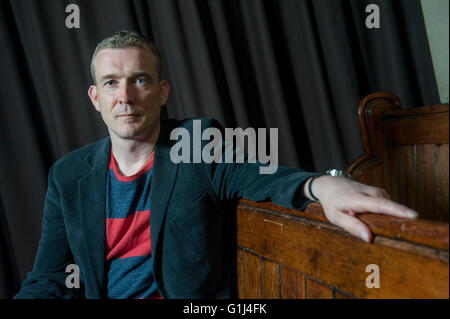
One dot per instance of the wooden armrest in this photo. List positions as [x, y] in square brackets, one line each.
[423, 232]
[286, 253]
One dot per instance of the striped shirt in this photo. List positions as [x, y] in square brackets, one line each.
[128, 249]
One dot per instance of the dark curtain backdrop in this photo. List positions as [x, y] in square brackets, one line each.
[298, 65]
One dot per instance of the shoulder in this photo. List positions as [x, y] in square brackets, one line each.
[75, 161]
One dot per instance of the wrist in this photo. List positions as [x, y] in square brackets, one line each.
[315, 187]
[318, 186]
[308, 191]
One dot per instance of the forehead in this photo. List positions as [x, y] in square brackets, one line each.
[123, 60]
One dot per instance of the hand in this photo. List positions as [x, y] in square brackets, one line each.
[342, 199]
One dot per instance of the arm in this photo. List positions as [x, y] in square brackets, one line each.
[341, 198]
[244, 179]
[47, 279]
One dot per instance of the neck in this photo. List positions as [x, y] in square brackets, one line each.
[131, 154]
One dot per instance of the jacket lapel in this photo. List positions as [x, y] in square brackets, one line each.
[163, 180]
[92, 190]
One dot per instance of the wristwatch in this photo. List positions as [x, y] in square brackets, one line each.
[337, 172]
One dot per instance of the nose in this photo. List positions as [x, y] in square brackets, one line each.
[124, 94]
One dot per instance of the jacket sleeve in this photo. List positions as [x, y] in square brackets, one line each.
[244, 179]
[47, 278]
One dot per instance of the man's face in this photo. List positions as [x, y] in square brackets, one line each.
[128, 93]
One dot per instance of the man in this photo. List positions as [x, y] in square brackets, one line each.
[140, 226]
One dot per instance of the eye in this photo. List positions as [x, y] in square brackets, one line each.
[140, 81]
[110, 83]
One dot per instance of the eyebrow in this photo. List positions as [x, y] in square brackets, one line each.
[108, 76]
[141, 73]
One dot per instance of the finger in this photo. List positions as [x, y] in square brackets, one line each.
[376, 192]
[386, 195]
[351, 224]
[382, 206]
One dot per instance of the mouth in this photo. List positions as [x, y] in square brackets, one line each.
[127, 115]
[128, 118]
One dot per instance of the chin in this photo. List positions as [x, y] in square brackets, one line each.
[133, 133]
[130, 134]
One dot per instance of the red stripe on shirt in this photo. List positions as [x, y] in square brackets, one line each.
[129, 236]
[154, 295]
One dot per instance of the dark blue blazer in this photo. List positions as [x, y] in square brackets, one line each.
[188, 233]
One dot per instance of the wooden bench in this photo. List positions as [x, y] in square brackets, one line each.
[285, 253]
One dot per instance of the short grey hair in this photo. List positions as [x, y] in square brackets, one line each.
[123, 40]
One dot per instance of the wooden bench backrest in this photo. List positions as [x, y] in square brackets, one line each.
[406, 152]
[285, 253]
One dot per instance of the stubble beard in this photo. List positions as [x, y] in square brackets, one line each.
[139, 131]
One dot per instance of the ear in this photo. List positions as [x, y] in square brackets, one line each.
[164, 91]
[92, 92]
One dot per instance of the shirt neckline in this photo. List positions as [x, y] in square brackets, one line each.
[145, 167]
